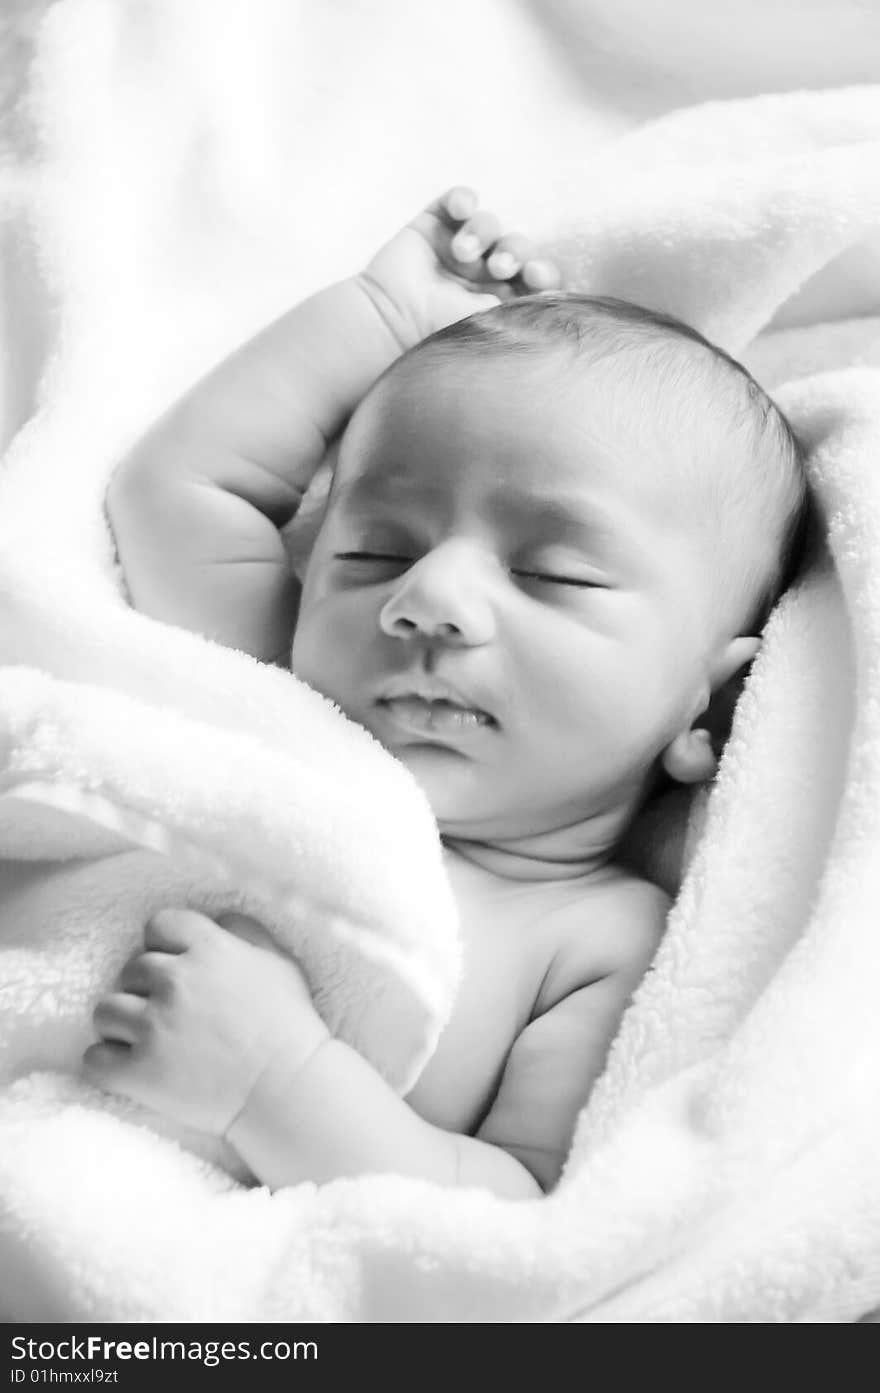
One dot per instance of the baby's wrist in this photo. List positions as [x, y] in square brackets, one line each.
[397, 322]
[277, 1080]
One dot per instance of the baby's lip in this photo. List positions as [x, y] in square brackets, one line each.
[429, 688]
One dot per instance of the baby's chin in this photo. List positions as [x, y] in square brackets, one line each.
[446, 777]
[460, 796]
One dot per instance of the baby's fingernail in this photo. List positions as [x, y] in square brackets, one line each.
[461, 203]
[466, 246]
[502, 264]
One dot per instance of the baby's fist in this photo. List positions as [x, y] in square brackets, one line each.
[198, 1016]
[451, 261]
[469, 242]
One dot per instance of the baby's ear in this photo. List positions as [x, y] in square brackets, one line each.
[734, 661]
[692, 757]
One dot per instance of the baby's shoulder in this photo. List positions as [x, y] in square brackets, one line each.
[612, 930]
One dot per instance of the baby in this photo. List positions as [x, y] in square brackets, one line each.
[553, 534]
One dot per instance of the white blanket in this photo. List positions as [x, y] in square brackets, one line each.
[727, 1165]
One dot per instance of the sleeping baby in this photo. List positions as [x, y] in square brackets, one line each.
[555, 527]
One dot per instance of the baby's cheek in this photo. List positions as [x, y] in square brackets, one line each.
[600, 694]
[312, 651]
[327, 650]
[312, 639]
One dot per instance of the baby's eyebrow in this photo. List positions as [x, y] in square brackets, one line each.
[560, 516]
[370, 488]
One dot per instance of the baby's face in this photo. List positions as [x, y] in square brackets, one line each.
[505, 593]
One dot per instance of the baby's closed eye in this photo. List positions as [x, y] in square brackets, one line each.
[373, 566]
[558, 566]
[587, 582]
[573, 577]
[367, 556]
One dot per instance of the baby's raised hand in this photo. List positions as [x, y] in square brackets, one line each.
[451, 261]
[197, 1018]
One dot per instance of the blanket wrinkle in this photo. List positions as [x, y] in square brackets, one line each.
[725, 1167]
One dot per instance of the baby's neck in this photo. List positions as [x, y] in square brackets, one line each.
[574, 853]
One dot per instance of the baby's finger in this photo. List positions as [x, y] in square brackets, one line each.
[106, 1062]
[120, 1018]
[508, 256]
[459, 203]
[242, 926]
[476, 237]
[176, 930]
[145, 974]
[450, 210]
[541, 274]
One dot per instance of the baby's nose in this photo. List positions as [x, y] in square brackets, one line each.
[443, 596]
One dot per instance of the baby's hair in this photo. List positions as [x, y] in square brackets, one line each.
[769, 499]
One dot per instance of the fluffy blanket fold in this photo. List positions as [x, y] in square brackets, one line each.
[726, 1167]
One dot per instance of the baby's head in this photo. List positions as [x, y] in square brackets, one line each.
[555, 529]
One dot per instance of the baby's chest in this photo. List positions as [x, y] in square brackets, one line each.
[506, 957]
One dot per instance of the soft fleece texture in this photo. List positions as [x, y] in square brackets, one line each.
[727, 1165]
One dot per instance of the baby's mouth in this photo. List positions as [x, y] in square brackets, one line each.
[437, 715]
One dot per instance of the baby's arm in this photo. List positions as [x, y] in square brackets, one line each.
[336, 1117]
[220, 1035]
[197, 506]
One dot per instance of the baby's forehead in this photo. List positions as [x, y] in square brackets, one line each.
[453, 421]
[666, 384]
